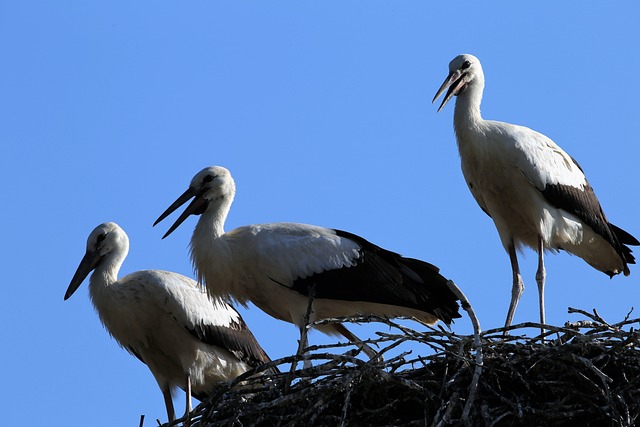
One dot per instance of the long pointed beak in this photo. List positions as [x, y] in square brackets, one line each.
[454, 82]
[196, 207]
[88, 263]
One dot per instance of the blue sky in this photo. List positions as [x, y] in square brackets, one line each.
[321, 110]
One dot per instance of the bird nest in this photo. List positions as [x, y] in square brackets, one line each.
[583, 373]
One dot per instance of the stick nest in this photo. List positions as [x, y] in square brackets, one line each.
[582, 373]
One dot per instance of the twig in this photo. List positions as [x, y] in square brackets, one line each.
[303, 343]
[473, 388]
[589, 373]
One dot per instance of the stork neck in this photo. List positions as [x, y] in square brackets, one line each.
[467, 108]
[209, 249]
[106, 272]
[467, 120]
[210, 226]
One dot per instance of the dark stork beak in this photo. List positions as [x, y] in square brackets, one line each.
[456, 82]
[197, 206]
[88, 263]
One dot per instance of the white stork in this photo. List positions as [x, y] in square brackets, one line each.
[166, 320]
[276, 266]
[536, 194]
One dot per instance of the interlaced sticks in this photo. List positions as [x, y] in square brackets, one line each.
[584, 373]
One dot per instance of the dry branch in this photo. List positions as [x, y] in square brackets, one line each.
[585, 372]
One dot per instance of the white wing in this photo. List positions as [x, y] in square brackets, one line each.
[539, 159]
[211, 321]
[287, 251]
[339, 266]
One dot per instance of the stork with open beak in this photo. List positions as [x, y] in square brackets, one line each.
[278, 266]
[536, 194]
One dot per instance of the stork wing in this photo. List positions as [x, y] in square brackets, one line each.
[562, 183]
[211, 321]
[343, 266]
[285, 252]
[385, 277]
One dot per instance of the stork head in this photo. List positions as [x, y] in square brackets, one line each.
[210, 185]
[107, 245]
[463, 70]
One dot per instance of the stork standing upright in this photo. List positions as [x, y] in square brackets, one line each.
[536, 194]
[166, 320]
[278, 266]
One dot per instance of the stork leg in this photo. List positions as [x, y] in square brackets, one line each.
[303, 343]
[541, 276]
[187, 391]
[340, 328]
[168, 402]
[518, 285]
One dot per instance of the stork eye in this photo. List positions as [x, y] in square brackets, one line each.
[101, 237]
[466, 64]
[208, 178]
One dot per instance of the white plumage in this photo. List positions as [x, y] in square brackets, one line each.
[536, 194]
[166, 320]
[276, 266]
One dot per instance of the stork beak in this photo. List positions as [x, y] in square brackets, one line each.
[455, 81]
[88, 263]
[196, 207]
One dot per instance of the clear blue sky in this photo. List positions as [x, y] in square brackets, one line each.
[321, 110]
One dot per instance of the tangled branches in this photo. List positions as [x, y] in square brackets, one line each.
[582, 373]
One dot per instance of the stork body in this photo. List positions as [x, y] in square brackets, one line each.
[278, 266]
[536, 194]
[166, 320]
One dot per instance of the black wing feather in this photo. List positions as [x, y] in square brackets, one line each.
[385, 277]
[583, 203]
[135, 353]
[237, 338]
